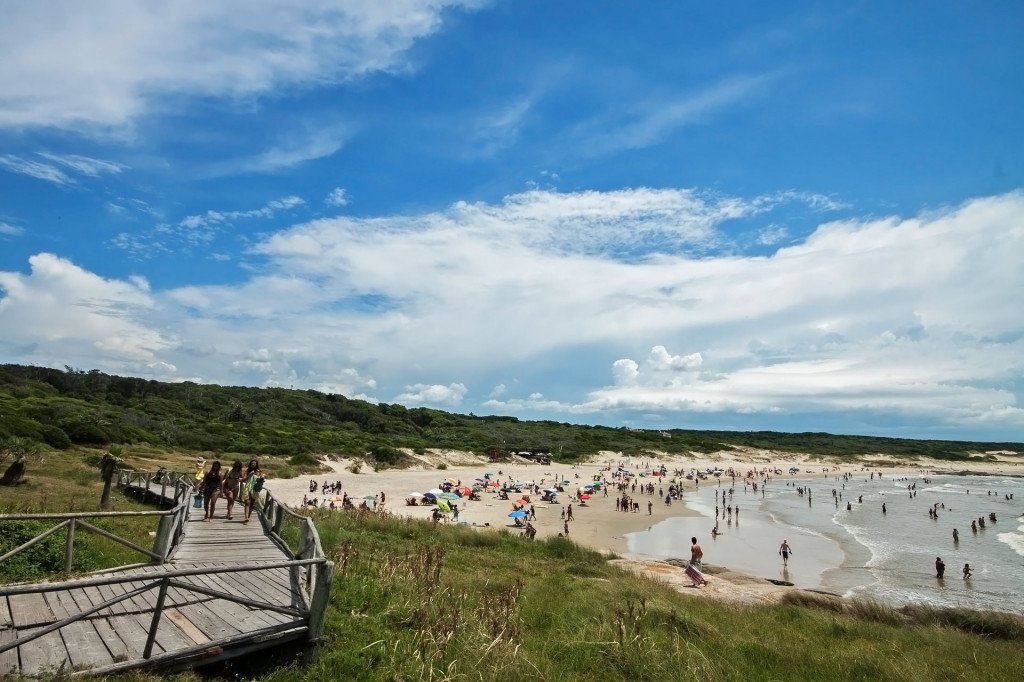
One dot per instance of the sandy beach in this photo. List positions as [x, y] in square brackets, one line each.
[597, 523]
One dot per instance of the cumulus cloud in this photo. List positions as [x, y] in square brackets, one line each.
[62, 70]
[433, 394]
[60, 309]
[877, 319]
[662, 359]
[625, 371]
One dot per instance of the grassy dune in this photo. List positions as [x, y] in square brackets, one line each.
[414, 601]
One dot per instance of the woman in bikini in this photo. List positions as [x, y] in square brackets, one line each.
[229, 488]
[211, 489]
[251, 486]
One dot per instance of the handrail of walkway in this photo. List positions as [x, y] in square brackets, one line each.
[167, 534]
[317, 577]
[311, 569]
[309, 564]
[162, 582]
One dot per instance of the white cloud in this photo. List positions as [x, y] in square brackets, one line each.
[11, 230]
[536, 402]
[61, 69]
[35, 169]
[197, 230]
[61, 310]
[647, 121]
[337, 197]
[433, 394]
[289, 151]
[661, 359]
[51, 172]
[901, 317]
[625, 371]
[84, 165]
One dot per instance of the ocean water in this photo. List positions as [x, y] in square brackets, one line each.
[862, 552]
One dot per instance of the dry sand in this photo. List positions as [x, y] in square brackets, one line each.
[597, 524]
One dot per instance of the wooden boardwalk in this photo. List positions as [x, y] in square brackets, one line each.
[219, 589]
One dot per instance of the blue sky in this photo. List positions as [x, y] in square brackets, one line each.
[665, 215]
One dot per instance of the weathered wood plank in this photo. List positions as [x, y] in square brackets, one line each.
[8, 659]
[5, 614]
[46, 653]
[30, 609]
[186, 626]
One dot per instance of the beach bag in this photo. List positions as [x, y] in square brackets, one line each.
[257, 484]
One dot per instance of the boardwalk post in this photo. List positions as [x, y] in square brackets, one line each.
[278, 518]
[69, 547]
[163, 536]
[318, 608]
[156, 617]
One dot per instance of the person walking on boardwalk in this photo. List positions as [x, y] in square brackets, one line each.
[252, 484]
[211, 489]
[784, 551]
[229, 488]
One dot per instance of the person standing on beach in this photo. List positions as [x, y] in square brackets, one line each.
[696, 555]
[784, 551]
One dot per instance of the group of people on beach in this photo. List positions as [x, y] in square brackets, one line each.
[214, 484]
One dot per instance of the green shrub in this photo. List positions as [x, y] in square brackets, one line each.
[54, 437]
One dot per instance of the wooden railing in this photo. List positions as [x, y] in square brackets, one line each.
[162, 582]
[315, 577]
[168, 532]
[312, 573]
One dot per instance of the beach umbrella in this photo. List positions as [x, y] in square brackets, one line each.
[464, 490]
[449, 496]
[551, 490]
[521, 501]
[435, 491]
[494, 483]
[517, 514]
[336, 498]
[584, 497]
[452, 481]
[415, 494]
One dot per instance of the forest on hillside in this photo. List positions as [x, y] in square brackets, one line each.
[61, 408]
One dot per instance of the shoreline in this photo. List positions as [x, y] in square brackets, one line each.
[597, 524]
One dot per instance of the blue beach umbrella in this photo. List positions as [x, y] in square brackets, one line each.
[517, 514]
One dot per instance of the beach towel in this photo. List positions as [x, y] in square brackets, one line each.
[695, 576]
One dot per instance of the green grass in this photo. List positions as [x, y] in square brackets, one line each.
[416, 601]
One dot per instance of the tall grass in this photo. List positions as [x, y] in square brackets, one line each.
[417, 601]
